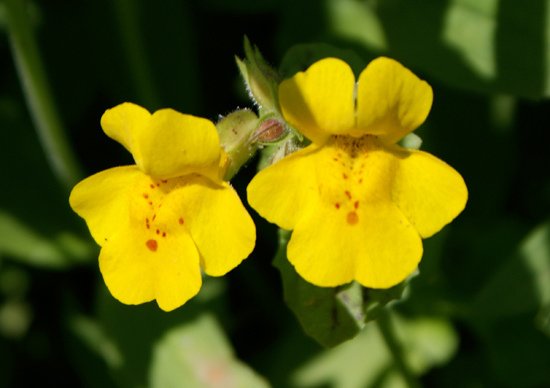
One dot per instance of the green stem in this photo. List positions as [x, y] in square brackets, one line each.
[38, 95]
[386, 327]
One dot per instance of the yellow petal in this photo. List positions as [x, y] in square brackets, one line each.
[428, 191]
[122, 122]
[280, 191]
[102, 200]
[147, 252]
[138, 267]
[176, 144]
[218, 222]
[391, 100]
[167, 143]
[373, 244]
[319, 101]
[348, 228]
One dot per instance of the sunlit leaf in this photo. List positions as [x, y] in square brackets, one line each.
[522, 284]
[484, 45]
[365, 361]
[197, 355]
[135, 330]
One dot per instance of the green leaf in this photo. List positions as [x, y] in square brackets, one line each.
[518, 352]
[522, 284]
[329, 315]
[365, 361]
[22, 242]
[483, 45]
[135, 330]
[358, 22]
[37, 226]
[197, 354]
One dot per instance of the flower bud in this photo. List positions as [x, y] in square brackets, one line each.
[236, 138]
[261, 79]
[270, 131]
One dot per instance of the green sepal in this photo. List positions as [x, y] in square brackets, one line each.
[328, 315]
[261, 80]
[236, 132]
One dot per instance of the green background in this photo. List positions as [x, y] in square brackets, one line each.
[478, 313]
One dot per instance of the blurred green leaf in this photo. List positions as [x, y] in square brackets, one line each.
[134, 330]
[486, 45]
[329, 315]
[300, 56]
[91, 351]
[25, 244]
[522, 284]
[356, 21]
[197, 354]
[95, 338]
[37, 226]
[365, 361]
[517, 352]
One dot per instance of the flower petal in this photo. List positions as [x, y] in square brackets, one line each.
[102, 200]
[176, 144]
[428, 191]
[167, 143]
[391, 100]
[280, 192]
[319, 101]
[219, 224]
[375, 245]
[138, 269]
[122, 122]
[348, 228]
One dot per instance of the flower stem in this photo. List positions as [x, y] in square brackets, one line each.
[386, 327]
[37, 94]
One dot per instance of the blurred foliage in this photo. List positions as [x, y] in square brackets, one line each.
[478, 312]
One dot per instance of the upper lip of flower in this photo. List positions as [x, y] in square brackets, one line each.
[388, 100]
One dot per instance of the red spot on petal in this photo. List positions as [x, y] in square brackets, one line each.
[150, 203]
[352, 218]
[348, 194]
[164, 181]
[356, 204]
[154, 216]
[152, 245]
[146, 196]
[345, 176]
[163, 234]
[180, 221]
[337, 205]
[361, 180]
[152, 186]
[158, 231]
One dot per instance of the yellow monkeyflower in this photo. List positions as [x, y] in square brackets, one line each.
[357, 202]
[160, 221]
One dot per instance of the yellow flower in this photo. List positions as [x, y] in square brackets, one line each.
[160, 221]
[357, 202]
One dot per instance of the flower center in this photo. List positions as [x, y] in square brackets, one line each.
[344, 187]
[157, 221]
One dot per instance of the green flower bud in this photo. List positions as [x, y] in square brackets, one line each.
[261, 80]
[236, 138]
